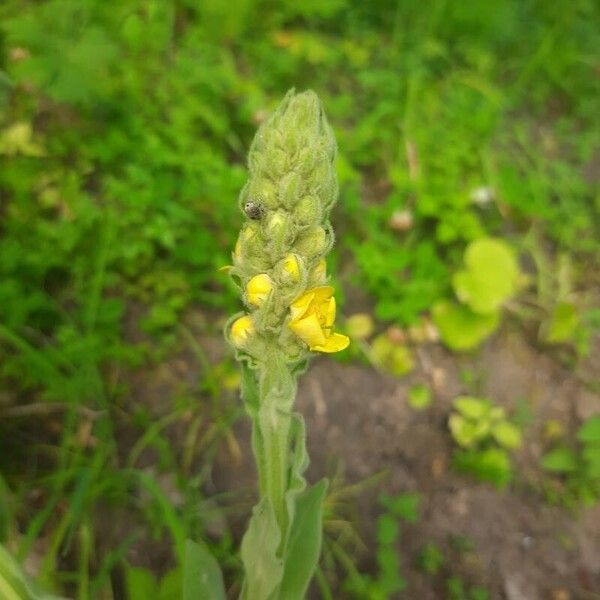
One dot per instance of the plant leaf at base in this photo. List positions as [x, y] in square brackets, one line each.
[304, 546]
[201, 574]
[262, 566]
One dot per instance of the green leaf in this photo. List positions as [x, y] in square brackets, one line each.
[431, 558]
[590, 430]
[464, 432]
[507, 434]
[262, 567]
[299, 464]
[141, 583]
[491, 465]
[404, 506]
[471, 407]
[478, 593]
[387, 529]
[419, 397]
[389, 579]
[201, 574]
[560, 460]
[591, 456]
[562, 324]
[304, 545]
[14, 584]
[460, 328]
[171, 585]
[490, 276]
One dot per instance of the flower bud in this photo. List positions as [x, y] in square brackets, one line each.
[291, 267]
[241, 330]
[276, 161]
[306, 160]
[289, 189]
[276, 227]
[258, 288]
[312, 243]
[261, 191]
[308, 211]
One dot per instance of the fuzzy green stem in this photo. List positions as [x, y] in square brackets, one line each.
[274, 430]
[277, 390]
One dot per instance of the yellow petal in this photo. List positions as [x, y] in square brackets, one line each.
[241, 330]
[330, 313]
[258, 288]
[308, 330]
[300, 305]
[322, 293]
[334, 343]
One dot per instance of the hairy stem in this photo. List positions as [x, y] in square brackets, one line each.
[277, 390]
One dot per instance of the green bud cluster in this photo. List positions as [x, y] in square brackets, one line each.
[286, 202]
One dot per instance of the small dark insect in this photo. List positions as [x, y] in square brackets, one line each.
[254, 210]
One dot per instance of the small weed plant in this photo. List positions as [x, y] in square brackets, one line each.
[485, 437]
[577, 468]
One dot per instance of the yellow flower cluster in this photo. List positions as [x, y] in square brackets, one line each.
[312, 314]
[279, 258]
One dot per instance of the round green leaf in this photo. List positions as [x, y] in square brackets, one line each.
[460, 328]
[472, 408]
[507, 434]
[490, 276]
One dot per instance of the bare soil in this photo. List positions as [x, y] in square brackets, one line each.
[519, 546]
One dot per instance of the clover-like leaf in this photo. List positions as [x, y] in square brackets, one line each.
[472, 408]
[507, 434]
[463, 431]
[490, 277]
[460, 328]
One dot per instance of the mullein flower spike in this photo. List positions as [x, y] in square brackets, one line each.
[279, 257]
[279, 265]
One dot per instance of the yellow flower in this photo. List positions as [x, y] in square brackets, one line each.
[258, 288]
[241, 330]
[313, 314]
[291, 267]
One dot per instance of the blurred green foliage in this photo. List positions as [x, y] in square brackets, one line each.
[485, 436]
[578, 468]
[123, 132]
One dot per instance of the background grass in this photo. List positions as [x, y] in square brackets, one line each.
[123, 133]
